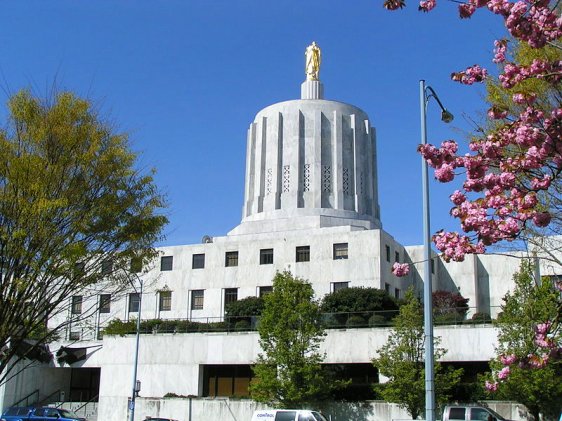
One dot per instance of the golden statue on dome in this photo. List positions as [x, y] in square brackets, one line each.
[312, 61]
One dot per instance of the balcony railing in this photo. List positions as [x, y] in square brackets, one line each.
[343, 320]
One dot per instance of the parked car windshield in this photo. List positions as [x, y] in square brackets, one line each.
[319, 416]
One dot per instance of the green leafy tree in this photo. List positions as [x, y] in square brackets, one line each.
[71, 200]
[288, 372]
[523, 379]
[401, 360]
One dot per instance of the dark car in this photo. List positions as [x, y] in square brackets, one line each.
[45, 413]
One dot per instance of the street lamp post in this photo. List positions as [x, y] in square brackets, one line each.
[136, 383]
[447, 117]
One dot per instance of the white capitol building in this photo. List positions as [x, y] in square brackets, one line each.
[310, 207]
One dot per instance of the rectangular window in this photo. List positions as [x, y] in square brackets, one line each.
[198, 261]
[480, 414]
[134, 302]
[387, 288]
[231, 258]
[303, 254]
[457, 413]
[105, 303]
[340, 251]
[230, 295]
[197, 299]
[387, 249]
[74, 335]
[432, 266]
[266, 256]
[339, 285]
[397, 257]
[79, 269]
[136, 265]
[265, 290]
[165, 301]
[396, 293]
[76, 304]
[166, 263]
[106, 267]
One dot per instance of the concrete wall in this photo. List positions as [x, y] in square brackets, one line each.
[173, 363]
[198, 409]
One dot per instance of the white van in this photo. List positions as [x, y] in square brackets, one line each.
[288, 415]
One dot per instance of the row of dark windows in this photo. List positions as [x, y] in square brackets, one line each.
[302, 254]
[106, 268]
[388, 291]
[165, 299]
[104, 304]
[388, 254]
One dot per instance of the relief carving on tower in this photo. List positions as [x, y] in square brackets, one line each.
[346, 181]
[326, 178]
[286, 178]
[268, 181]
[361, 183]
[306, 178]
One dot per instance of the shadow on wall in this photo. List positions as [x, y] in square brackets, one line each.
[343, 411]
[444, 280]
[483, 288]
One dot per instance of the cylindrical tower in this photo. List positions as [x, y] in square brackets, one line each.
[310, 163]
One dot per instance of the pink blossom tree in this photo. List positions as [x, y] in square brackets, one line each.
[512, 173]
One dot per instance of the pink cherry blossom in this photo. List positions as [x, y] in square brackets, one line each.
[491, 386]
[508, 359]
[471, 75]
[542, 328]
[426, 5]
[458, 197]
[500, 50]
[504, 373]
[466, 10]
[496, 114]
[400, 269]
[445, 173]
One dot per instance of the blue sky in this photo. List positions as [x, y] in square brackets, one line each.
[186, 77]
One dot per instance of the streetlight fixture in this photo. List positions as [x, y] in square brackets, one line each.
[427, 92]
[136, 383]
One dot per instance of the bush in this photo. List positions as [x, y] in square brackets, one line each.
[377, 320]
[121, 328]
[148, 326]
[355, 321]
[249, 306]
[448, 319]
[360, 300]
[481, 318]
[242, 325]
[243, 310]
